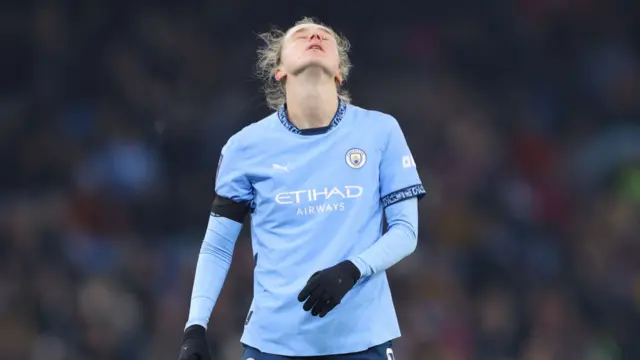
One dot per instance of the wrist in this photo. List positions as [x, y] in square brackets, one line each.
[352, 270]
[194, 331]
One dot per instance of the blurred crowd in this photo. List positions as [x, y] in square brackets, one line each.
[523, 116]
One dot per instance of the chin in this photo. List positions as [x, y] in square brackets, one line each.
[315, 65]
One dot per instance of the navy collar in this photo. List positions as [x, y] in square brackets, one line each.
[337, 118]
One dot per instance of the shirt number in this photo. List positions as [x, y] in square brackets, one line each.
[390, 355]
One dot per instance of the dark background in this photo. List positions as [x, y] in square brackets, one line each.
[523, 117]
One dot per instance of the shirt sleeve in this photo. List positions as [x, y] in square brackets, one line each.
[399, 179]
[231, 180]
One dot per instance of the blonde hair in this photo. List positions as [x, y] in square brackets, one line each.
[269, 57]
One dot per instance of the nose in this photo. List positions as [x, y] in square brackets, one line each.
[316, 36]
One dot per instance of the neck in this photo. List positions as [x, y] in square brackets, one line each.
[312, 100]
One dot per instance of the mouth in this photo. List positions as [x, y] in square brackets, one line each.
[315, 47]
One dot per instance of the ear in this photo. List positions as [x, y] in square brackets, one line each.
[280, 74]
[339, 79]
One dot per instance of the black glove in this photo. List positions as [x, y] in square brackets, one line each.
[325, 289]
[194, 344]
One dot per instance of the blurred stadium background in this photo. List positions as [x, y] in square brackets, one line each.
[524, 118]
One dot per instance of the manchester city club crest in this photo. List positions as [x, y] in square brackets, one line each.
[356, 158]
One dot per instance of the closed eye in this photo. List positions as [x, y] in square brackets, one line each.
[303, 33]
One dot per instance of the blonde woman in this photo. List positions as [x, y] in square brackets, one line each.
[316, 177]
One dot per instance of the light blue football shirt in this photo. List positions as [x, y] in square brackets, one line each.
[317, 199]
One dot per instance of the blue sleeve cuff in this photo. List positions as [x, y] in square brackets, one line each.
[394, 197]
